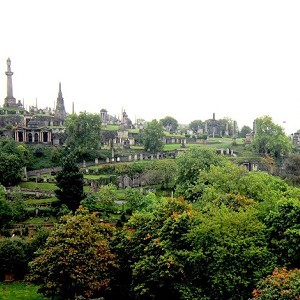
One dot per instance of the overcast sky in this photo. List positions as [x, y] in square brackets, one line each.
[185, 59]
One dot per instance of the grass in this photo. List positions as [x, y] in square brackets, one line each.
[31, 202]
[19, 291]
[39, 221]
[42, 186]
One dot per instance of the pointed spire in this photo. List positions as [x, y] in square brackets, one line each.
[60, 111]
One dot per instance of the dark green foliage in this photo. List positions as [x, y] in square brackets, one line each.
[245, 129]
[291, 169]
[190, 164]
[11, 168]
[284, 232]
[83, 132]
[13, 256]
[169, 123]
[196, 125]
[70, 183]
[5, 213]
[270, 138]
[228, 253]
[152, 138]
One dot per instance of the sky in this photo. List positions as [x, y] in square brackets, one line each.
[184, 59]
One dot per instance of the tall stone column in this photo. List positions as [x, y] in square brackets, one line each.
[10, 101]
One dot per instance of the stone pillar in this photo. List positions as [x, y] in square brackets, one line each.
[9, 100]
[141, 156]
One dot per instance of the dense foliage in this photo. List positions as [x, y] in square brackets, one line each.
[76, 260]
[152, 137]
[69, 180]
[269, 138]
[83, 133]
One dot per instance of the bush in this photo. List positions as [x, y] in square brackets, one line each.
[13, 256]
[282, 284]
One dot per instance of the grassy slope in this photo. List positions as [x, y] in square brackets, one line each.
[19, 291]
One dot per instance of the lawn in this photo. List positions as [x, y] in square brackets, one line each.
[19, 291]
[42, 186]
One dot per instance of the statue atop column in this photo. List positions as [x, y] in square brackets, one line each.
[9, 100]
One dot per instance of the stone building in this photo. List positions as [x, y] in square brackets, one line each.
[36, 126]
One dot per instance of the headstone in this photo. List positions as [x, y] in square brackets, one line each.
[96, 161]
[130, 157]
[141, 156]
[107, 159]
[84, 164]
[135, 157]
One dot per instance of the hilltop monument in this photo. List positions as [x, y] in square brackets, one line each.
[9, 101]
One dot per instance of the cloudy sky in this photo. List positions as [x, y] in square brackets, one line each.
[185, 59]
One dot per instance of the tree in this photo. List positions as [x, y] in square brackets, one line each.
[11, 168]
[167, 170]
[5, 209]
[151, 251]
[69, 180]
[76, 260]
[153, 135]
[83, 131]
[169, 123]
[245, 130]
[107, 196]
[13, 256]
[284, 232]
[196, 125]
[269, 138]
[282, 284]
[228, 253]
[190, 164]
[291, 170]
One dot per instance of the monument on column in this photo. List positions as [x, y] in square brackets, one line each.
[9, 101]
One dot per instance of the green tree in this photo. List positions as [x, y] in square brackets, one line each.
[13, 256]
[5, 209]
[152, 137]
[76, 260]
[284, 232]
[190, 164]
[228, 253]
[291, 169]
[11, 168]
[196, 125]
[107, 195]
[269, 138]
[69, 180]
[150, 250]
[245, 129]
[169, 123]
[83, 131]
[282, 284]
[167, 169]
